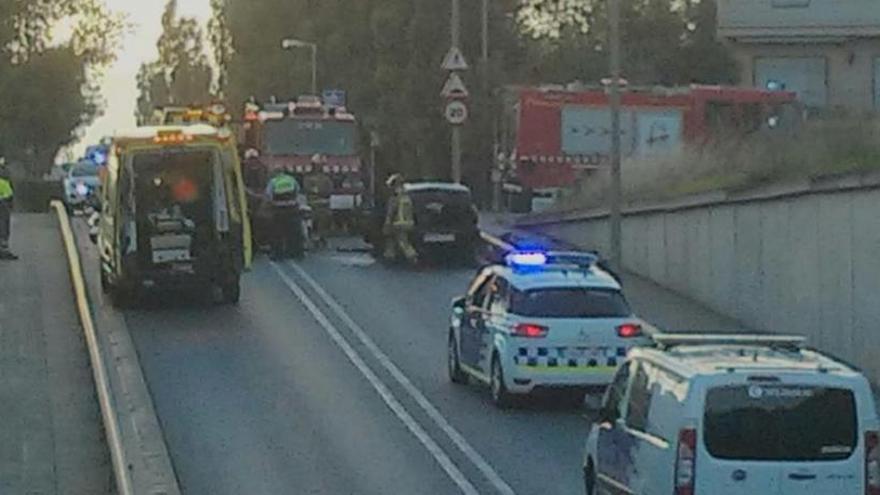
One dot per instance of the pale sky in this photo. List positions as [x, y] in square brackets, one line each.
[139, 46]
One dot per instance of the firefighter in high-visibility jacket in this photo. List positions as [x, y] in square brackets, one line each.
[287, 232]
[399, 222]
[6, 194]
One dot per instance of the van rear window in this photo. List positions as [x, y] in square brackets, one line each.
[775, 422]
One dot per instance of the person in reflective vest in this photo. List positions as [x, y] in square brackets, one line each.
[287, 230]
[399, 222]
[6, 195]
[318, 187]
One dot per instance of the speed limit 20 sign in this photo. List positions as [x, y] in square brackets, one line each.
[456, 112]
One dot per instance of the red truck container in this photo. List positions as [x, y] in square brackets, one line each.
[559, 134]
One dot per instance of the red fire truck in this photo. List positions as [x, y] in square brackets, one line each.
[306, 136]
[315, 140]
[558, 134]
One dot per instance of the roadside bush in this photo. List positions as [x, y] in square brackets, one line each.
[817, 149]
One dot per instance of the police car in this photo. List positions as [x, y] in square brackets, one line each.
[734, 415]
[81, 185]
[541, 320]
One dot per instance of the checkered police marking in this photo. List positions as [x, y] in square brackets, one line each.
[569, 357]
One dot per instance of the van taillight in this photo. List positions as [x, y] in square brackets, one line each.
[686, 462]
[872, 463]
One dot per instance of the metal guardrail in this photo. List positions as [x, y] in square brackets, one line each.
[99, 370]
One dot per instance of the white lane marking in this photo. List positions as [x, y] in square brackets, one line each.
[457, 438]
[396, 407]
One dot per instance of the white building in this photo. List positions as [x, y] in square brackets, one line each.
[828, 51]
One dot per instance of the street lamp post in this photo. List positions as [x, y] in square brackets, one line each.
[290, 43]
[616, 188]
[455, 31]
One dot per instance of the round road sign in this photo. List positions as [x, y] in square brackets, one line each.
[456, 112]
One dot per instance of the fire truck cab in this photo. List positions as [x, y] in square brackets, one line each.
[316, 142]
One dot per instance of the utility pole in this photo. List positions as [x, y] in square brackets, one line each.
[485, 52]
[494, 164]
[615, 100]
[315, 69]
[456, 130]
[374, 143]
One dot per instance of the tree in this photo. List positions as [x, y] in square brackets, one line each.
[221, 44]
[182, 74]
[386, 54]
[47, 94]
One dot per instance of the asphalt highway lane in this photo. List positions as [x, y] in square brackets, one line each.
[330, 378]
[534, 448]
[256, 399]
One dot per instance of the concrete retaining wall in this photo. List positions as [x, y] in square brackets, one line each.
[803, 260]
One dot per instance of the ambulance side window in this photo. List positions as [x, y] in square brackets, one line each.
[639, 400]
[108, 189]
[500, 296]
[611, 408]
[481, 294]
[231, 180]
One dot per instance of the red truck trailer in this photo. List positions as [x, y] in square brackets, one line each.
[559, 134]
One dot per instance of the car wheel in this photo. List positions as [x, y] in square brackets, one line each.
[105, 284]
[590, 479]
[232, 292]
[465, 255]
[500, 396]
[121, 297]
[456, 375]
[575, 398]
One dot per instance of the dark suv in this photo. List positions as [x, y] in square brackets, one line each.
[445, 221]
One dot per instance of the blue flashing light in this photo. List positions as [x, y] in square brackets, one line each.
[526, 259]
[99, 158]
[540, 260]
[97, 155]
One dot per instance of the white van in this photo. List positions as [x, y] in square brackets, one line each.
[725, 415]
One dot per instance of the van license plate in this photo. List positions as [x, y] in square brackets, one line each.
[439, 238]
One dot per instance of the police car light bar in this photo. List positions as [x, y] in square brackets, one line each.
[526, 259]
[668, 340]
[550, 259]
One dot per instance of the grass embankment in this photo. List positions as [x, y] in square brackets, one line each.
[817, 149]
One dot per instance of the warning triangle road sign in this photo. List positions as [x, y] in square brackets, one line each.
[454, 87]
[455, 60]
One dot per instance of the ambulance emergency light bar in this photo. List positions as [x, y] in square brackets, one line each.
[668, 340]
[171, 135]
[550, 260]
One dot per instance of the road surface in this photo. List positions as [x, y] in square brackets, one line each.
[329, 378]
